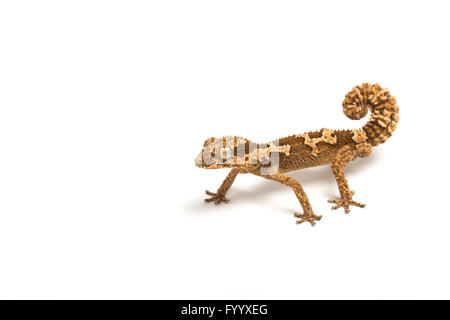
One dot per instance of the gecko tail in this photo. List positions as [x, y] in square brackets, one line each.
[383, 107]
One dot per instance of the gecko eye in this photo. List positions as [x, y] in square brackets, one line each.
[225, 153]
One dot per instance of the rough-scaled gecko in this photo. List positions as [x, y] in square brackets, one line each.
[324, 147]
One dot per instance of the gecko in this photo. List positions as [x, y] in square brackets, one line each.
[336, 148]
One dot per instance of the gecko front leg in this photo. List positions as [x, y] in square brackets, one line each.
[219, 196]
[308, 214]
[343, 157]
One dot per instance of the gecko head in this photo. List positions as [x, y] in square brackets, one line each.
[223, 152]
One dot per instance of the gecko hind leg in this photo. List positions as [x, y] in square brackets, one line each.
[308, 214]
[343, 157]
[219, 196]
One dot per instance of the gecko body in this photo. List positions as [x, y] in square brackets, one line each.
[322, 147]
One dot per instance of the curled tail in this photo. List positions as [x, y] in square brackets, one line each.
[384, 111]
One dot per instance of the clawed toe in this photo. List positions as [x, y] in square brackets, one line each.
[209, 193]
[345, 203]
[309, 217]
[216, 197]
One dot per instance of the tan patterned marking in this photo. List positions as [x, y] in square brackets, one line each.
[260, 152]
[327, 136]
[280, 149]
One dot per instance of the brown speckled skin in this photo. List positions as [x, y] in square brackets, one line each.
[300, 156]
[323, 147]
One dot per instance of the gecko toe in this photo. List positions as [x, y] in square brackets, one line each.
[216, 197]
[345, 203]
[307, 217]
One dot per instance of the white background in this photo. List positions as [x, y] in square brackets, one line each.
[105, 104]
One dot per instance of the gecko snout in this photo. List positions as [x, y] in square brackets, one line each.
[199, 160]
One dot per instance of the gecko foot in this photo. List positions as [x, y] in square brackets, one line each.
[346, 203]
[310, 217]
[216, 197]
